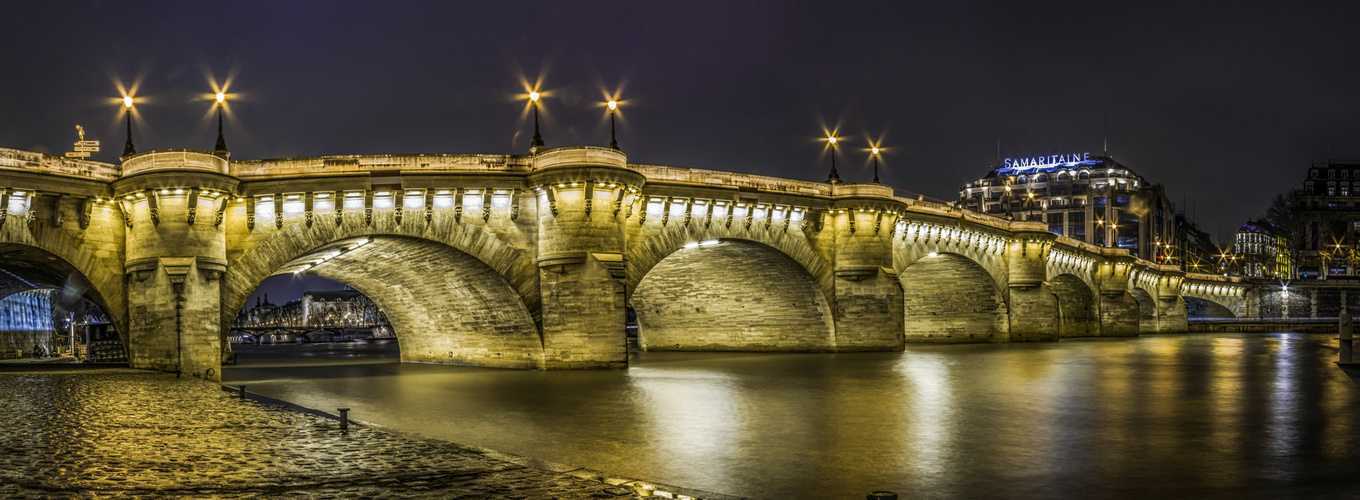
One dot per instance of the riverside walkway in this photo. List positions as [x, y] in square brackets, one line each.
[80, 432]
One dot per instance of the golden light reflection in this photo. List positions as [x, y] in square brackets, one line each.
[933, 419]
[694, 416]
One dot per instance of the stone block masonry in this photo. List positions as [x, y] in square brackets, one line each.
[732, 296]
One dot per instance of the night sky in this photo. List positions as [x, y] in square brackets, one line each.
[1225, 105]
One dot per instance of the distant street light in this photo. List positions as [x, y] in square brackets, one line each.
[128, 148]
[221, 147]
[538, 139]
[834, 178]
[613, 110]
[874, 152]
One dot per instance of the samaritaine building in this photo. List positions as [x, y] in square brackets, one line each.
[1090, 198]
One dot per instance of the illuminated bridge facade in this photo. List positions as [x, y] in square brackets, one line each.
[530, 261]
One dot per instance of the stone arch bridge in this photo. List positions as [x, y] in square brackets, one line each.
[531, 261]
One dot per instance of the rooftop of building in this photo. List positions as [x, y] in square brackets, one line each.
[1056, 163]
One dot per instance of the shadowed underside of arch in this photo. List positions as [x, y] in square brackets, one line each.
[645, 254]
[732, 295]
[1204, 308]
[248, 267]
[444, 305]
[1147, 311]
[951, 298]
[46, 258]
[1076, 307]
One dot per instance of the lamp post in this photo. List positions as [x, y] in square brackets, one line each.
[221, 148]
[128, 148]
[1008, 199]
[874, 152]
[613, 110]
[834, 178]
[538, 139]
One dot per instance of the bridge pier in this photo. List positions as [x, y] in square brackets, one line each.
[868, 296]
[174, 261]
[581, 244]
[1119, 309]
[1032, 304]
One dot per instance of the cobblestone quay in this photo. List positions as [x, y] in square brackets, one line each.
[76, 432]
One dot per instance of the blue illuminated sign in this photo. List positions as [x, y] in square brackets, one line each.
[1045, 161]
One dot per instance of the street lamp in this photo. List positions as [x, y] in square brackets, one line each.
[874, 152]
[128, 149]
[834, 178]
[1008, 198]
[538, 139]
[221, 148]
[613, 110]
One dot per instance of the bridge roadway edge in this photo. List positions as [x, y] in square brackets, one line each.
[588, 224]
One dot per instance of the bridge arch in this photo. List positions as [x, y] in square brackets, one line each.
[35, 256]
[1197, 307]
[731, 294]
[948, 297]
[1213, 301]
[651, 250]
[453, 294]
[1077, 307]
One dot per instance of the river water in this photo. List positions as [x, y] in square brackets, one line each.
[1255, 415]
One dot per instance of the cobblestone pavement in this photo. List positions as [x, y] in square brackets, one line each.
[113, 433]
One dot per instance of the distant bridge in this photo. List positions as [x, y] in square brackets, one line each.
[529, 261]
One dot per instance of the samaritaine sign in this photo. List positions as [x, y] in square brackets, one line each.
[83, 148]
[1046, 161]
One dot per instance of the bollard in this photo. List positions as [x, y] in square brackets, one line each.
[243, 393]
[1347, 330]
[881, 495]
[344, 419]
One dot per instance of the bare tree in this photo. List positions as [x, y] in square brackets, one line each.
[1287, 217]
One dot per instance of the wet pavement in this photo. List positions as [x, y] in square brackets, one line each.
[79, 432]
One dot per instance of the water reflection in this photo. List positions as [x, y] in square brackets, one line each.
[1183, 415]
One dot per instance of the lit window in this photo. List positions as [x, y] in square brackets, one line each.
[413, 202]
[323, 205]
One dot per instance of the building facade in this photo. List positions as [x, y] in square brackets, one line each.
[1330, 213]
[1261, 252]
[330, 309]
[1094, 199]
